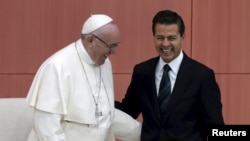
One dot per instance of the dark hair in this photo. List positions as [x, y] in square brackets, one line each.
[168, 17]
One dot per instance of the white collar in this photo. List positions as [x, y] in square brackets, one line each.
[174, 64]
[83, 53]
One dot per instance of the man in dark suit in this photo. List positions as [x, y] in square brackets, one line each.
[194, 103]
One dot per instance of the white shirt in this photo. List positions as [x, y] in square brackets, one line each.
[174, 65]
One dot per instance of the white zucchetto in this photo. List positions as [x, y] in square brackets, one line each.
[94, 22]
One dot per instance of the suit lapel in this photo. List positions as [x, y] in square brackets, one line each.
[154, 99]
[152, 93]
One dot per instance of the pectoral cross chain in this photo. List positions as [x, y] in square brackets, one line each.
[97, 112]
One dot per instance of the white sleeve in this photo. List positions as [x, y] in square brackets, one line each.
[126, 128]
[48, 126]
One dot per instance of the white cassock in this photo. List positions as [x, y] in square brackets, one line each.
[66, 94]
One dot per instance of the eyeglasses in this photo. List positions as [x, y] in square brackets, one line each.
[110, 46]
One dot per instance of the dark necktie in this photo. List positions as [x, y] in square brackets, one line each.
[165, 89]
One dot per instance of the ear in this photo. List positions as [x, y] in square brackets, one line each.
[89, 38]
[183, 36]
[182, 39]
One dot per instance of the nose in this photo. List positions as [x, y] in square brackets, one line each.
[111, 51]
[166, 42]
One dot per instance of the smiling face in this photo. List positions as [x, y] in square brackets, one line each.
[102, 43]
[105, 43]
[168, 41]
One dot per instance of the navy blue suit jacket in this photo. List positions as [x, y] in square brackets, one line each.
[195, 103]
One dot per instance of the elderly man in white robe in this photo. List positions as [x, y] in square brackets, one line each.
[72, 93]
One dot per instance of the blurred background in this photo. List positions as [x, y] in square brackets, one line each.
[217, 34]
